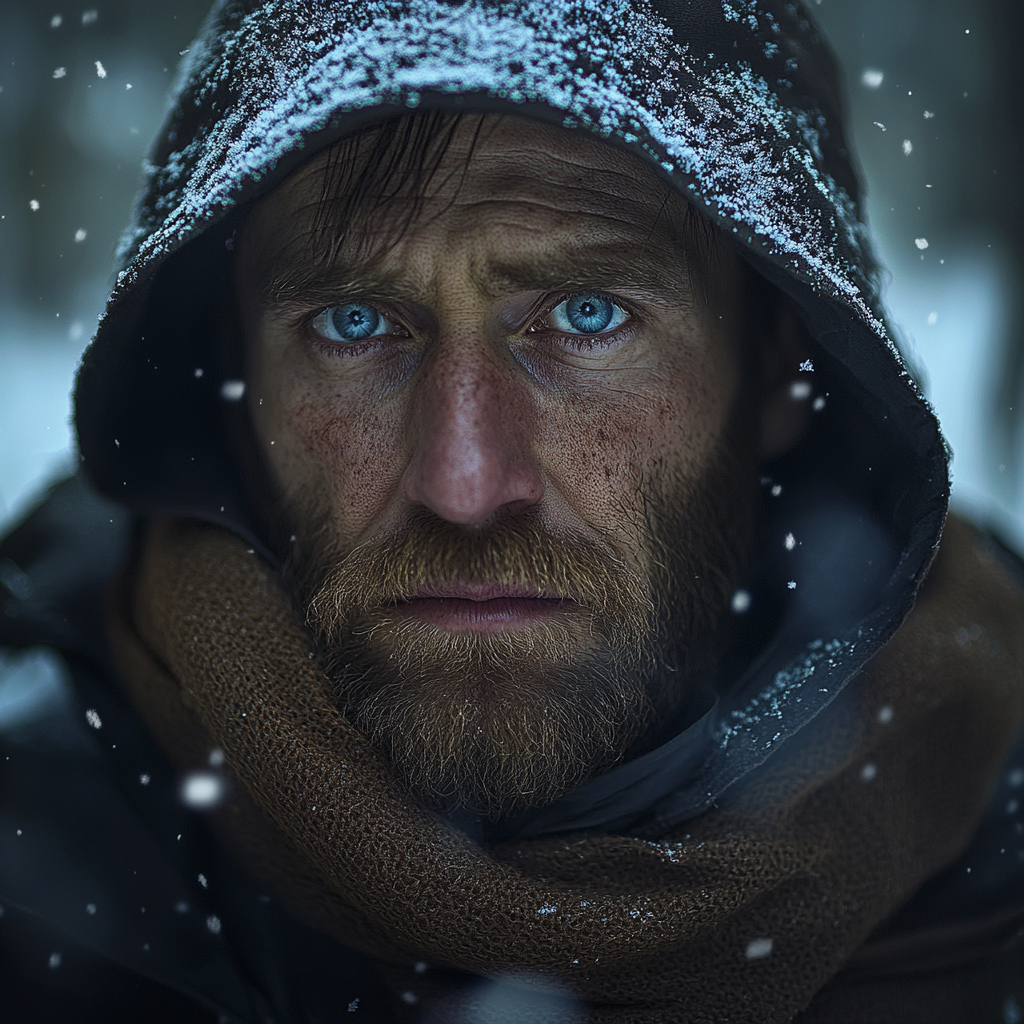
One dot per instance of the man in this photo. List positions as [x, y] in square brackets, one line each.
[518, 538]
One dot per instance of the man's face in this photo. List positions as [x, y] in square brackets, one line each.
[509, 440]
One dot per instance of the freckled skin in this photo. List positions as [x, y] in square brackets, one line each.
[469, 410]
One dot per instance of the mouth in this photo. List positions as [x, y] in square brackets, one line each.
[483, 607]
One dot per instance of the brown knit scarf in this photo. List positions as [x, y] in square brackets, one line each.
[742, 915]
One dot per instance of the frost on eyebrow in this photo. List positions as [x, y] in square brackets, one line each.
[610, 66]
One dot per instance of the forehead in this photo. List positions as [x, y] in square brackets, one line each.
[499, 173]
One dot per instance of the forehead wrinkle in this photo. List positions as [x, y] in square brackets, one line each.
[300, 269]
[509, 255]
[603, 267]
[295, 261]
[579, 161]
[564, 198]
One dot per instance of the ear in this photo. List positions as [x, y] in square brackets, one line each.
[786, 407]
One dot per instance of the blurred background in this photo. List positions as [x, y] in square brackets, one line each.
[935, 90]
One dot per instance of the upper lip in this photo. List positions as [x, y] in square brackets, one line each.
[480, 592]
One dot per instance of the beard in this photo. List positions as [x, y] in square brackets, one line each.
[499, 722]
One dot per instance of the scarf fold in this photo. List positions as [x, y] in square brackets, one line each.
[741, 914]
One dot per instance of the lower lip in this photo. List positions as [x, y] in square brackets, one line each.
[498, 615]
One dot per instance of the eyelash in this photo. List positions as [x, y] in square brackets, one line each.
[586, 342]
[579, 341]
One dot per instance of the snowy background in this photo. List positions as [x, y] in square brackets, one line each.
[935, 90]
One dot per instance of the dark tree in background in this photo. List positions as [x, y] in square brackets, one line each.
[935, 90]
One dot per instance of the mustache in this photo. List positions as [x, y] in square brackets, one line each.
[516, 552]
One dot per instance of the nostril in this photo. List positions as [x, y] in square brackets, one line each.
[469, 487]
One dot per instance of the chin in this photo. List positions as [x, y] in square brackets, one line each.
[494, 723]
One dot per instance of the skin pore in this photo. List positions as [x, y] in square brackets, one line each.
[511, 425]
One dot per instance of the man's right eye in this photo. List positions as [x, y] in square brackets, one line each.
[351, 323]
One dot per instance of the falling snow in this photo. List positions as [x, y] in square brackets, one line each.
[868, 772]
[232, 390]
[908, 147]
[757, 949]
[201, 790]
[92, 716]
[740, 601]
[921, 243]
[81, 234]
[101, 71]
[213, 924]
[872, 78]
[60, 72]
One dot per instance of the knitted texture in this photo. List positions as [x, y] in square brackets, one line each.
[740, 915]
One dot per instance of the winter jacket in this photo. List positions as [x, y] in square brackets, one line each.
[107, 875]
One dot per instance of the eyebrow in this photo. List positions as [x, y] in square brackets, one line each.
[294, 278]
[598, 266]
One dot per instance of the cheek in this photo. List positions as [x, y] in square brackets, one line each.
[337, 449]
[601, 446]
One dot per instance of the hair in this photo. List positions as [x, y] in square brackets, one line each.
[400, 159]
[394, 159]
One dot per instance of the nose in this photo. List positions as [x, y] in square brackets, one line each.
[471, 426]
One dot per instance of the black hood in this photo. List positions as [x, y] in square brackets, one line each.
[736, 103]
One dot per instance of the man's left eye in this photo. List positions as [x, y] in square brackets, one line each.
[351, 323]
[586, 313]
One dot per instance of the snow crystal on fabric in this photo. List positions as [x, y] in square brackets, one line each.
[773, 701]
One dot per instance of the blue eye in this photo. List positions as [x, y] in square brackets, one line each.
[586, 313]
[351, 322]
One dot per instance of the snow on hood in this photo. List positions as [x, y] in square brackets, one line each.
[735, 102]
